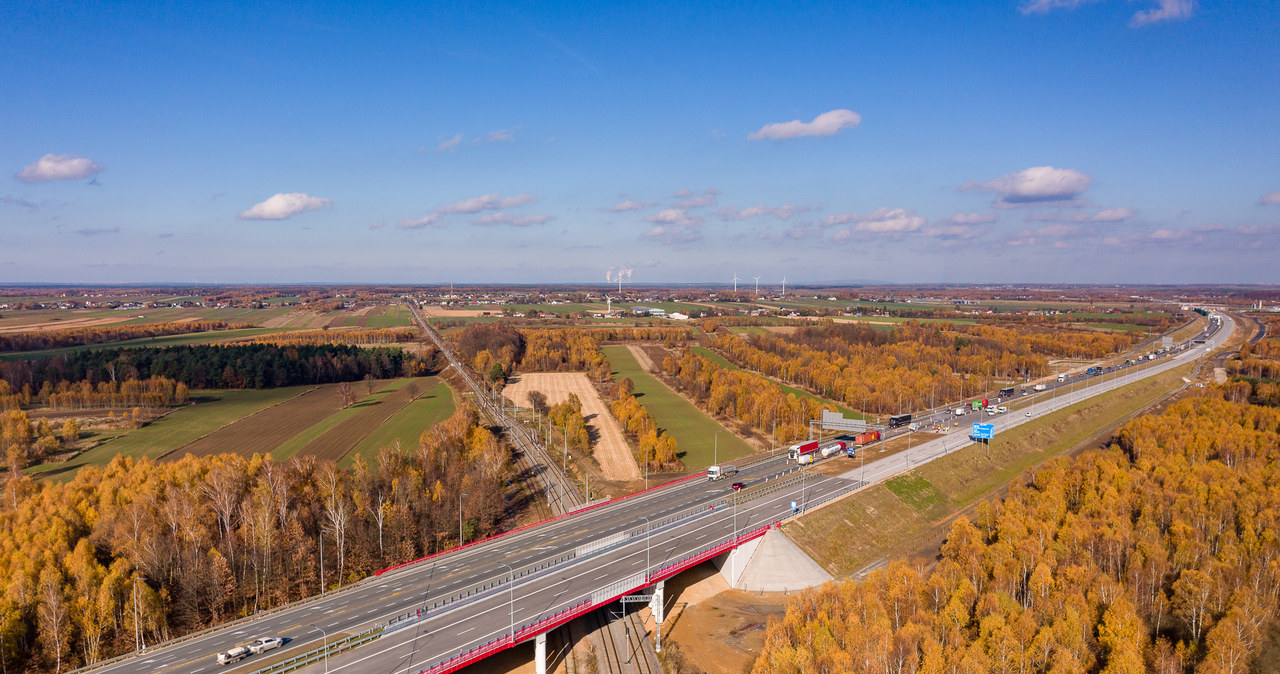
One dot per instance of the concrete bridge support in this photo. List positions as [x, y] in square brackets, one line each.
[540, 653]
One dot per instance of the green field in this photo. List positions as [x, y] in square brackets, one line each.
[704, 351]
[693, 431]
[427, 410]
[214, 410]
[1116, 327]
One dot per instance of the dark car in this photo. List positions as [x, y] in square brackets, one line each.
[738, 486]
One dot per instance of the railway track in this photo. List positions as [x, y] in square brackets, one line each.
[623, 642]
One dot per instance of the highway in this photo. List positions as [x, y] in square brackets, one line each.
[570, 563]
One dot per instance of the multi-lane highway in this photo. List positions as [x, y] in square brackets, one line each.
[534, 578]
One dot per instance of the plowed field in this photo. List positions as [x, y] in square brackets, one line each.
[336, 442]
[265, 430]
[611, 450]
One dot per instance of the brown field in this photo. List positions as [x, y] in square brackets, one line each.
[336, 442]
[611, 449]
[73, 323]
[267, 429]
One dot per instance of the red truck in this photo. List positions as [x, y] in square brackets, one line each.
[802, 449]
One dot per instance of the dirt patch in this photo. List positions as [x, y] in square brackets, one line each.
[611, 449]
[641, 357]
[45, 326]
[718, 630]
[861, 320]
[441, 312]
[336, 442]
[267, 429]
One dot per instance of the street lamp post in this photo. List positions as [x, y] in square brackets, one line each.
[715, 457]
[511, 594]
[139, 639]
[325, 637]
[460, 517]
[648, 532]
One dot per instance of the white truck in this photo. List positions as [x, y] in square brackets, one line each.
[718, 472]
[959, 411]
[1041, 387]
[234, 655]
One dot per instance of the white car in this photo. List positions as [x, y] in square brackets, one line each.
[1002, 409]
[265, 644]
[234, 655]
[1028, 413]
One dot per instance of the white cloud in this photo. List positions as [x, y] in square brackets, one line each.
[378, 225]
[956, 231]
[672, 235]
[1270, 198]
[446, 145]
[1165, 10]
[1113, 214]
[630, 205]
[973, 218]
[509, 219]
[1035, 184]
[429, 220]
[1043, 6]
[827, 124]
[702, 201]
[783, 212]
[487, 202]
[284, 205]
[59, 167]
[674, 217]
[495, 136]
[879, 221]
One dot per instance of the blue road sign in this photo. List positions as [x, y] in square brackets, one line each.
[984, 431]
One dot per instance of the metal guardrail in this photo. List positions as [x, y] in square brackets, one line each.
[317, 654]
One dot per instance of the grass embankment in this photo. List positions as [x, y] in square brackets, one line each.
[693, 431]
[704, 351]
[892, 518]
[214, 410]
[427, 410]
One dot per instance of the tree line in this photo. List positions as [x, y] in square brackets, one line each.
[913, 366]
[359, 336]
[138, 551]
[1157, 554]
[36, 340]
[23, 441]
[657, 449]
[217, 366]
[152, 392]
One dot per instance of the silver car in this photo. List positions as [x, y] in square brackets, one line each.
[264, 644]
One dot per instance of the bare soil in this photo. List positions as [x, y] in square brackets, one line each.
[44, 326]
[336, 442]
[718, 629]
[441, 312]
[641, 357]
[267, 429]
[611, 450]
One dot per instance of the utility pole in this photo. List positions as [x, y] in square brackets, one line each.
[460, 518]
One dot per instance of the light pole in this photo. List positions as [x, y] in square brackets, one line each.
[139, 639]
[715, 457]
[460, 517]
[325, 637]
[511, 594]
[648, 532]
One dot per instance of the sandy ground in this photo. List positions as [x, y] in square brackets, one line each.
[73, 323]
[719, 630]
[861, 320]
[641, 357]
[611, 450]
[441, 312]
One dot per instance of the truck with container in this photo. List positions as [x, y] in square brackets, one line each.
[1006, 392]
[807, 458]
[719, 472]
[866, 438]
[801, 449]
[831, 448]
[899, 420]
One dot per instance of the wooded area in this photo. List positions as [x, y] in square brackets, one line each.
[143, 551]
[1158, 554]
[216, 366]
[913, 366]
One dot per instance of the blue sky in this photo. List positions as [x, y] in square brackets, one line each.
[1127, 141]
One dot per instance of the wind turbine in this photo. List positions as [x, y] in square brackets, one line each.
[784, 286]
[735, 281]
[757, 278]
[608, 303]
